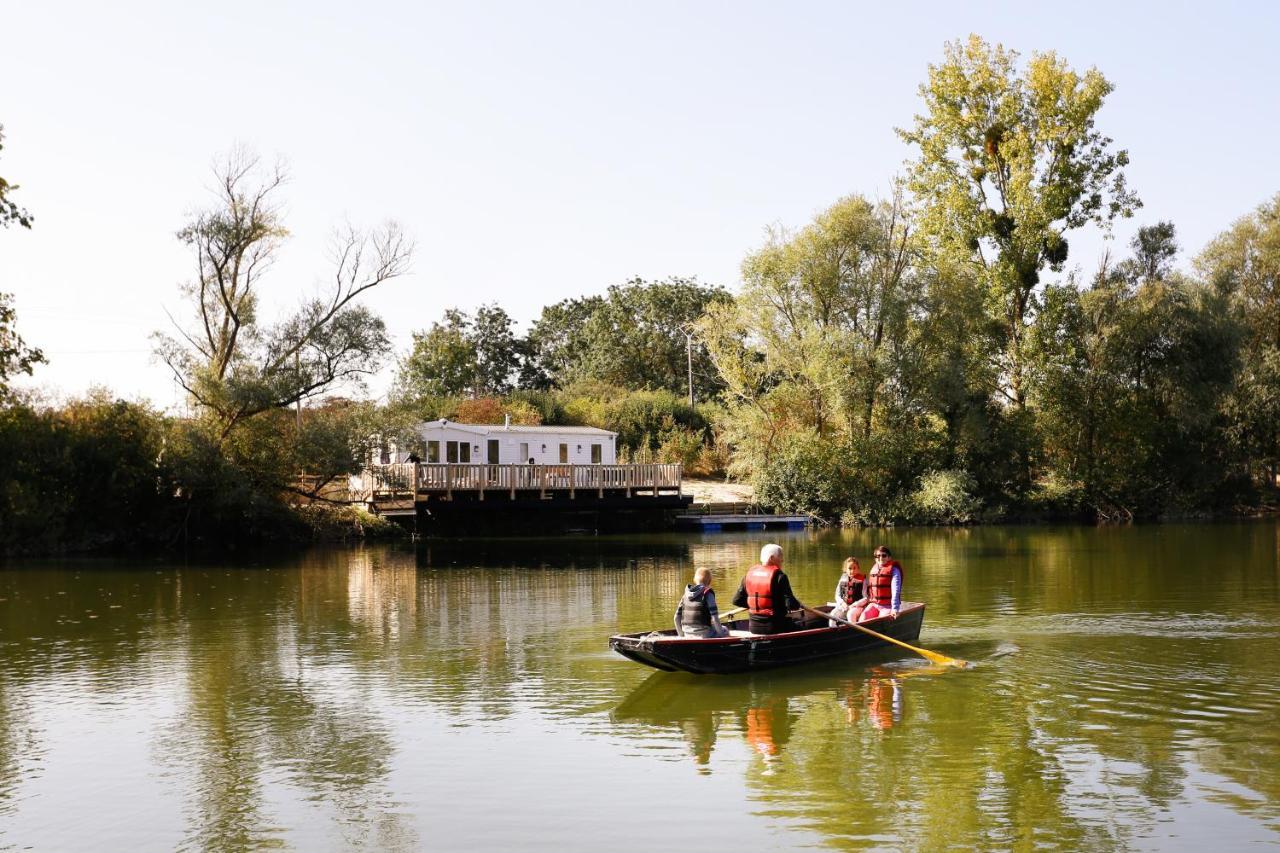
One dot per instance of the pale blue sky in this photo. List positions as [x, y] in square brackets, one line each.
[539, 151]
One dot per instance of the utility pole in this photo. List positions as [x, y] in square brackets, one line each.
[297, 370]
[688, 351]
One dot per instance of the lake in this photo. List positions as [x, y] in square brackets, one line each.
[1125, 693]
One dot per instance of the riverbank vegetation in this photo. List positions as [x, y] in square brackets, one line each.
[940, 355]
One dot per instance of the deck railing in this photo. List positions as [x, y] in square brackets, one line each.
[401, 480]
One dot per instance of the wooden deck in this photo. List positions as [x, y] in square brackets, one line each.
[399, 488]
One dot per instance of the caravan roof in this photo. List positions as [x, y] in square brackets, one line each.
[487, 429]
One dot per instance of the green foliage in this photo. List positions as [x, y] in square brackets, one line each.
[329, 523]
[461, 355]
[677, 444]
[819, 318]
[15, 356]
[808, 474]
[547, 404]
[1131, 379]
[233, 364]
[104, 474]
[634, 337]
[9, 210]
[441, 362]
[642, 418]
[1243, 264]
[1009, 162]
[946, 497]
[494, 410]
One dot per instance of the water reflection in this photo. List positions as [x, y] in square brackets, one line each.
[375, 698]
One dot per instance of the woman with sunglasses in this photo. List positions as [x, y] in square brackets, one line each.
[884, 589]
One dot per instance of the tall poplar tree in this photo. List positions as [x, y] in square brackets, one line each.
[1009, 162]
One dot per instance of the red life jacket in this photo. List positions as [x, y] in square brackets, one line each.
[759, 586]
[760, 731]
[851, 591]
[880, 583]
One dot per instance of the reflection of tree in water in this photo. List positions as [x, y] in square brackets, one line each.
[1084, 740]
[825, 749]
[20, 746]
[477, 630]
[270, 700]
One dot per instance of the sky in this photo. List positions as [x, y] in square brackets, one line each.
[541, 151]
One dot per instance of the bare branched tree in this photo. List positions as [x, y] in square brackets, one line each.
[233, 365]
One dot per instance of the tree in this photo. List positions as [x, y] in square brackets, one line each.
[441, 362]
[497, 358]
[1129, 381]
[234, 365]
[1008, 164]
[1243, 263]
[555, 344]
[461, 355]
[15, 356]
[813, 353]
[818, 309]
[1154, 248]
[9, 210]
[636, 337]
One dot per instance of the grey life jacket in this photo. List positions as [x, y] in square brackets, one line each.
[695, 616]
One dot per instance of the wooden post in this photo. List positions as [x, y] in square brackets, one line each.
[572, 477]
[511, 473]
[448, 482]
[542, 480]
[484, 474]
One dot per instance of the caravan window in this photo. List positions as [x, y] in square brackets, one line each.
[464, 451]
[433, 451]
[564, 453]
[595, 454]
[451, 452]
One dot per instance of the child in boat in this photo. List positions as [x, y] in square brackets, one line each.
[848, 591]
[696, 614]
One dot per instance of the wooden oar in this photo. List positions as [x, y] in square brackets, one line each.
[940, 659]
[731, 612]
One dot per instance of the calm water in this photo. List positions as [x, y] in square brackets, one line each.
[1125, 694]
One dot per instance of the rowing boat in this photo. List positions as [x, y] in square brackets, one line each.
[743, 651]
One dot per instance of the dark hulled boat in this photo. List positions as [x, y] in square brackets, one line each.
[743, 651]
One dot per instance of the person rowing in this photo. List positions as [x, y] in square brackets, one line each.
[766, 593]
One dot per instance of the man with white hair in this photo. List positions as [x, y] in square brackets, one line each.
[766, 592]
[696, 614]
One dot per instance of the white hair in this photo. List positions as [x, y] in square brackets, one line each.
[771, 554]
